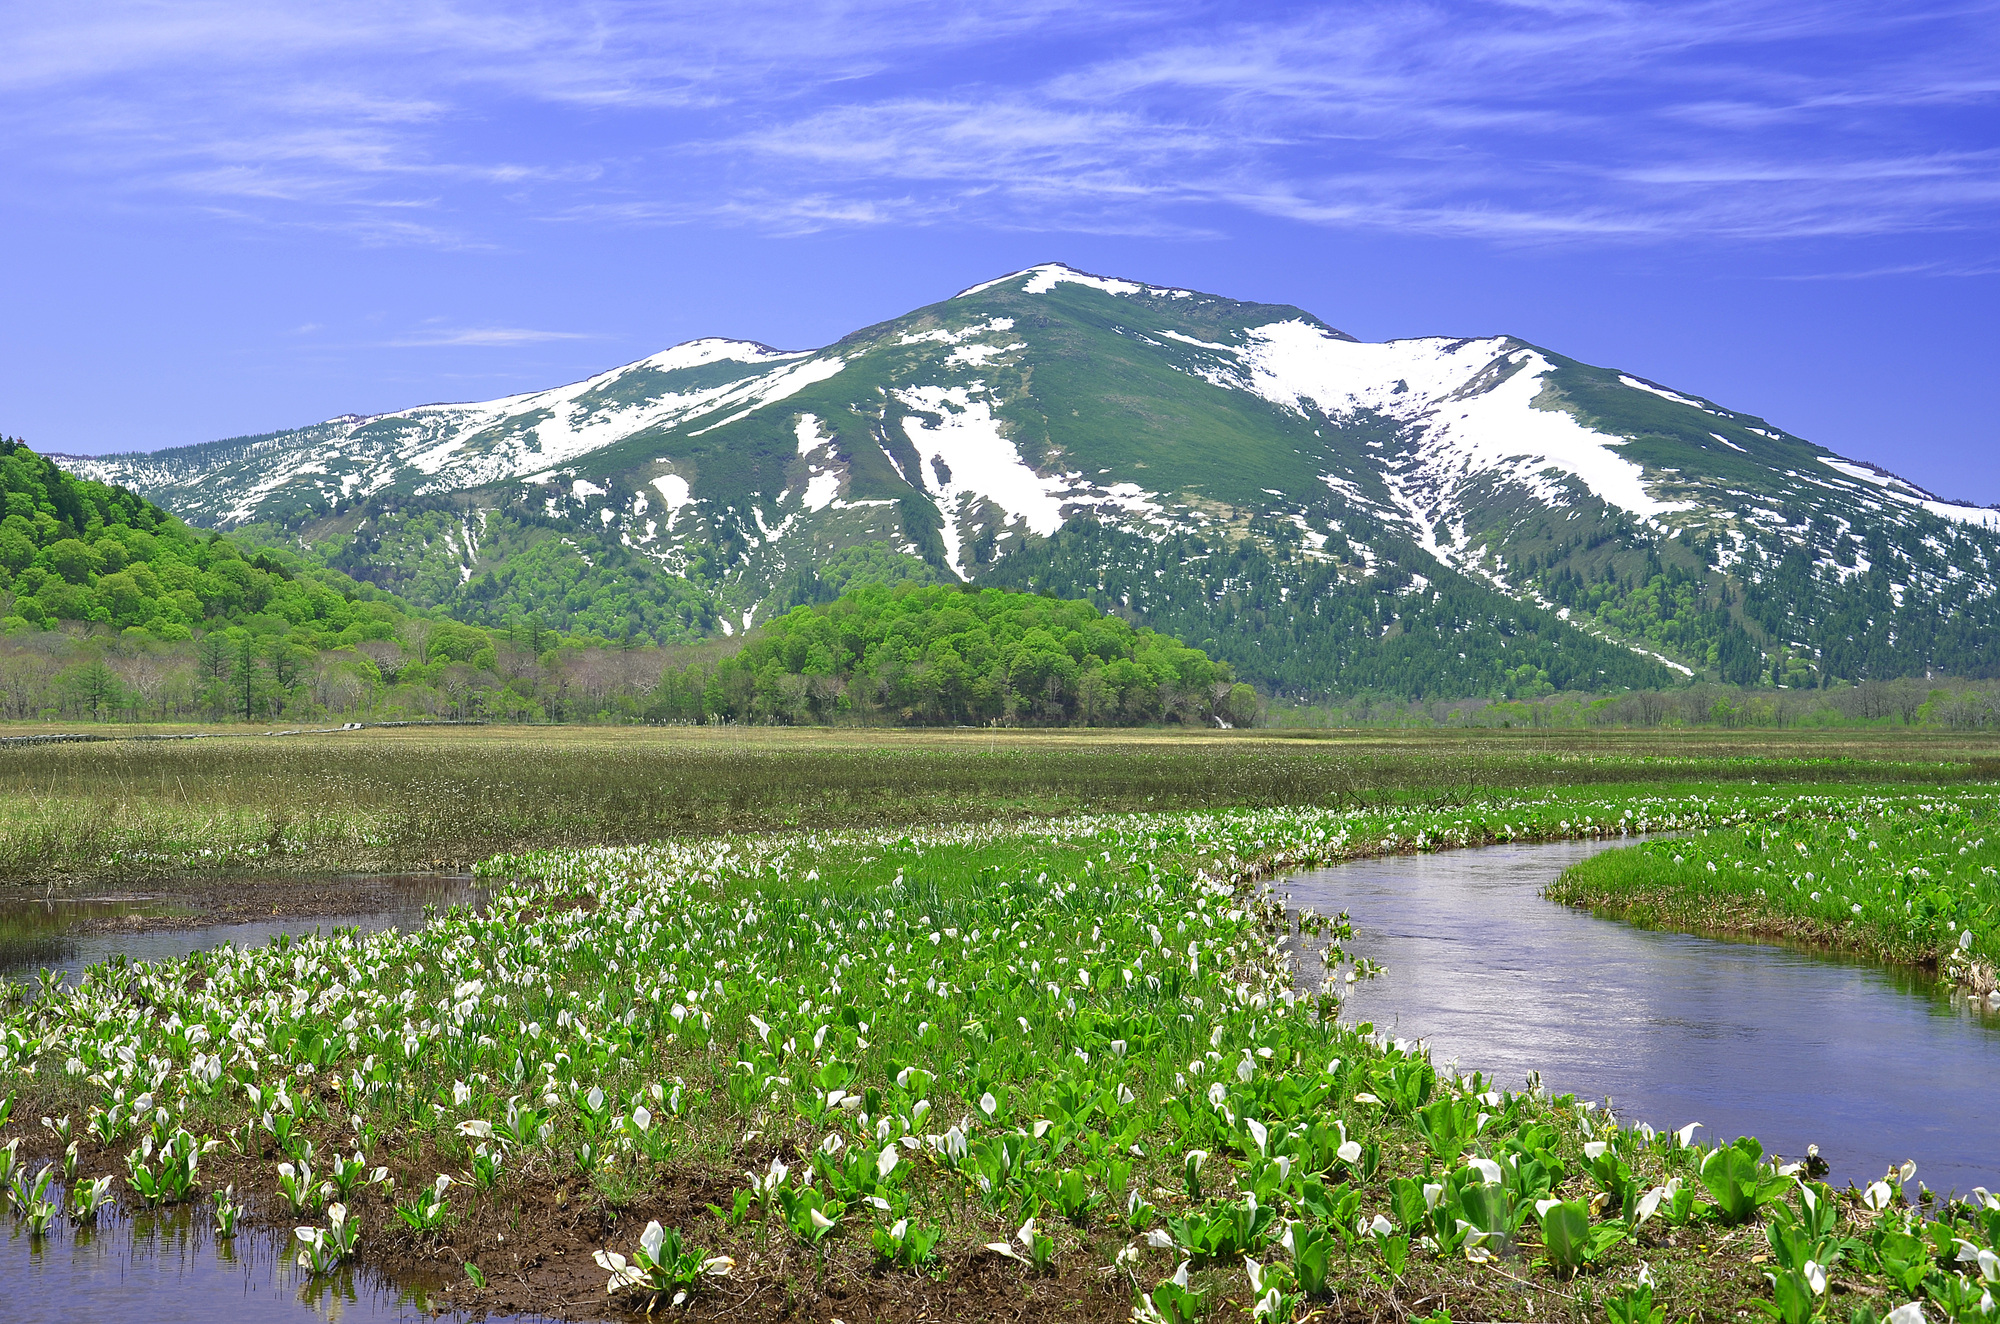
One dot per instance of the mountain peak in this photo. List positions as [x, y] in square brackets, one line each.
[1045, 277]
[1168, 453]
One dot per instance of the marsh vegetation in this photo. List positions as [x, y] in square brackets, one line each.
[388, 801]
[921, 1037]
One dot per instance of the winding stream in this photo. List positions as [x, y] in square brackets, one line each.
[1873, 1064]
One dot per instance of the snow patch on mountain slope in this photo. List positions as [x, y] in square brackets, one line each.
[457, 446]
[278, 476]
[822, 475]
[977, 356]
[807, 432]
[1294, 362]
[573, 429]
[947, 337]
[822, 487]
[569, 427]
[981, 461]
[773, 387]
[1466, 424]
[1501, 433]
[1199, 344]
[1663, 393]
[1910, 494]
[1046, 278]
[673, 490]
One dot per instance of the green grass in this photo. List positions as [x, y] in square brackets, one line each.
[1044, 1021]
[1910, 878]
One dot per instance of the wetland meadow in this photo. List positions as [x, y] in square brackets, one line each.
[816, 1025]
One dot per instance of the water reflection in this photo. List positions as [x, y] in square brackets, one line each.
[168, 1267]
[38, 933]
[1874, 1064]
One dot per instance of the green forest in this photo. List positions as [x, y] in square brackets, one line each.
[415, 547]
[111, 607]
[1306, 626]
[948, 655]
[76, 550]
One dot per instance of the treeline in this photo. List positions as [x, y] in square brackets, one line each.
[432, 669]
[1957, 704]
[904, 656]
[419, 668]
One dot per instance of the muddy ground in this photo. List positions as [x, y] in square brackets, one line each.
[198, 903]
[533, 1237]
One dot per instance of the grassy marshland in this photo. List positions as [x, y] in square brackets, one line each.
[1062, 1069]
[394, 801]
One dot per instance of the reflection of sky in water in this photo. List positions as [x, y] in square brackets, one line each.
[35, 934]
[1871, 1064]
[167, 1268]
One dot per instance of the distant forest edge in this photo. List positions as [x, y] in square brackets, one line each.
[945, 655]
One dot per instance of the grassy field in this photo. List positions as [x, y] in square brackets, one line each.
[1052, 1070]
[424, 798]
[1911, 878]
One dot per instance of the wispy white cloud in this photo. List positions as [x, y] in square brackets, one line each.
[1572, 120]
[1952, 270]
[491, 337]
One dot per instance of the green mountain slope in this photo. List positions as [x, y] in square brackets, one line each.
[76, 550]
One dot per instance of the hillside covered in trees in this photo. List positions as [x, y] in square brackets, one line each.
[111, 606]
[76, 550]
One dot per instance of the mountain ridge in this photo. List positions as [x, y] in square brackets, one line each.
[1030, 408]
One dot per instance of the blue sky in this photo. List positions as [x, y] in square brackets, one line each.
[226, 218]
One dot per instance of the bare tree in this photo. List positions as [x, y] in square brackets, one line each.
[386, 654]
[1652, 707]
[25, 677]
[146, 676]
[417, 634]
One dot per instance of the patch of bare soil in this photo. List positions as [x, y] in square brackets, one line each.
[200, 903]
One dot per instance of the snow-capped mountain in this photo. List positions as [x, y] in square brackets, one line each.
[1281, 468]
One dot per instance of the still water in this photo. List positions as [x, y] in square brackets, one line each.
[38, 934]
[1873, 1064]
[167, 1267]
